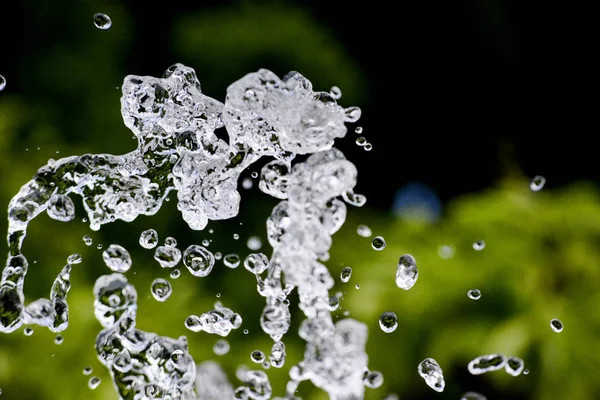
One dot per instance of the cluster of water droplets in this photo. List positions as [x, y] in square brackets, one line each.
[493, 362]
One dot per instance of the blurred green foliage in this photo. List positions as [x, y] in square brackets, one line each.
[541, 259]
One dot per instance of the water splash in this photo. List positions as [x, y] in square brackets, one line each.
[219, 321]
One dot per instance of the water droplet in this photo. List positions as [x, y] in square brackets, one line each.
[99, 246]
[58, 339]
[473, 396]
[205, 242]
[514, 366]
[257, 356]
[388, 322]
[358, 130]
[87, 370]
[352, 114]
[221, 347]
[430, 370]
[446, 252]
[254, 174]
[556, 325]
[346, 274]
[254, 243]
[357, 286]
[74, 258]
[474, 294]
[149, 239]
[378, 243]
[170, 241]
[368, 147]
[525, 371]
[486, 363]
[198, 260]
[335, 92]
[245, 331]
[117, 258]
[247, 183]
[2, 83]
[236, 236]
[167, 256]
[88, 240]
[479, 245]
[231, 260]
[257, 263]
[218, 255]
[537, 183]
[102, 21]
[175, 274]
[28, 331]
[406, 272]
[94, 382]
[161, 289]
[219, 321]
[361, 141]
[61, 208]
[334, 303]
[364, 231]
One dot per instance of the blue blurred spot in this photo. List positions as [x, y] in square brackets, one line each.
[416, 201]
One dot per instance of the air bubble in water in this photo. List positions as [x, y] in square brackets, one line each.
[88, 240]
[221, 347]
[556, 325]
[430, 370]
[61, 208]
[102, 21]
[117, 258]
[167, 256]
[473, 396]
[175, 274]
[198, 260]
[247, 183]
[2, 83]
[254, 243]
[149, 239]
[28, 331]
[161, 289]
[335, 92]
[537, 183]
[373, 379]
[87, 370]
[74, 258]
[388, 322]
[479, 245]
[94, 382]
[364, 231]
[474, 294]
[406, 272]
[59, 339]
[231, 260]
[486, 363]
[346, 274]
[378, 243]
[257, 356]
[514, 366]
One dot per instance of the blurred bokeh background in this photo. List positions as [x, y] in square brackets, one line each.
[463, 104]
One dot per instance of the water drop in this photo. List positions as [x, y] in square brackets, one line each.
[170, 241]
[236, 236]
[406, 272]
[361, 141]
[378, 243]
[446, 252]
[198, 260]
[486, 363]
[352, 114]
[102, 21]
[94, 382]
[28, 331]
[556, 325]
[525, 371]
[364, 231]
[231, 260]
[254, 174]
[58, 339]
[474, 294]
[175, 274]
[257, 356]
[368, 147]
[167, 256]
[346, 274]
[149, 239]
[219, 321]
[117, 258]
[74, 258]
[221, 347]
[388, 322]
[99, 246]
[358, 129]
[61, 208]
[87, 240]
[537, 183]
[473, 396]
[335, 92]
[205, 242]
[430, 370]
[514, 366]
[247, 183]
[161, 289]
[246, 331]
[479, 245]
[218, 255]
[257, 263]
[372, 379]
[334, 303]
[2, 83]
[87, 370]
[254, 243]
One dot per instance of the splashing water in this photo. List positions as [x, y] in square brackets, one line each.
[219, 321]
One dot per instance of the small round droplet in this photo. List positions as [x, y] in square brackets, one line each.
[514, 366]
[205, 242]
[373, 379]
[479, 245]
[357, 286]
[170, 241]
[58, 339]
[254, 243]
[221, 347]
[175, 274]
[74, 258]
[364, 231]
[87, 370]
[149, 239]
[334, 303]
[346, 274]
[117, 258]
[407, 272]
[368, 147]
[388, 322]
[99, 246]
[537, 183]
[2, 83]
[254, 174]
[378, 243]
[161, 289]
[246, 331]
[198, 260]
[257, 356]
[218, 255]
[352, 114]
[556, 325]
[335, 92]
[358, 129]
[231, 260]
[28, 331]
[236, 236]
[94, 382]
[88, 240]
[102, 21]
[474, 294]
[525, 371]
[446, 252]
[247, 183]
[361, 141]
